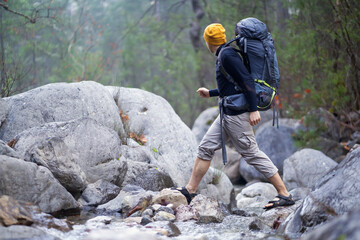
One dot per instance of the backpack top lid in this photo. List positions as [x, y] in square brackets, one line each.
[251, 28]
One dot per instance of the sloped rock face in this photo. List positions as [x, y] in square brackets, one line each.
[173, 143]
[344, 227]
[336, 193]
[305, 167]
[31, 183]
[77, 152]
[60, 102]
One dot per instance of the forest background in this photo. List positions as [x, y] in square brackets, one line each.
[157, 45]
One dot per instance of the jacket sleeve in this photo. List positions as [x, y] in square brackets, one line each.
[234, 66]
[214, 92]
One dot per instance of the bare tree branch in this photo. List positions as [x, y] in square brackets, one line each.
[177, 5]
[32, 20]
[137, 22]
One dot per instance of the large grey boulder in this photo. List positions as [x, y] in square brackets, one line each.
[60, 102]
[277, 143]
[305, 167]
[77, 152]
[255, 195]
[35, 184]
[173, 143]
[336, 193]
[99, 192]
[344, 227]
[203, 122]
[147, 176]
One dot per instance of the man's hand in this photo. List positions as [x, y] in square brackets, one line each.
[254, 118]
[204, 92]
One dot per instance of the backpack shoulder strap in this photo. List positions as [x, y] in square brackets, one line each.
[223, 71]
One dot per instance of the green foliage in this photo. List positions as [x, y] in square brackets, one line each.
[217, 176]
[310, 136]
[317, 59]
[342, 237]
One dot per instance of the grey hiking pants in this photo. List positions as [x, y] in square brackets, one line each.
[239, 131]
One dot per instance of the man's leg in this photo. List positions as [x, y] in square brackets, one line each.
[245, 142]
[200, 168]
[279, 185]
[207, 147]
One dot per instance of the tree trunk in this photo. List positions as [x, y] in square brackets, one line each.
[34, 62]
[195, 31]
[265, 14]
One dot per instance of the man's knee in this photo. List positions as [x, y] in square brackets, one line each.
[205, 154]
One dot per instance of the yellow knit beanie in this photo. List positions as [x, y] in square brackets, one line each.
[214, 34]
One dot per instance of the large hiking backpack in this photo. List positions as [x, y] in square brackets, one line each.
[256, 47]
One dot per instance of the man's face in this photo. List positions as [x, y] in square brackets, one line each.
[210, 47]
[207, 45]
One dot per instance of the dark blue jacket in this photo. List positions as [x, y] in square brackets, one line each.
[234, 66]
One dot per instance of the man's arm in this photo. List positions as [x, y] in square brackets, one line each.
[254, 118]
[206, 93]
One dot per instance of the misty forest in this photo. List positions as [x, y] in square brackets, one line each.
[158, 46]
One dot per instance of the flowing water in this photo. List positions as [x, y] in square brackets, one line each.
[233, 227]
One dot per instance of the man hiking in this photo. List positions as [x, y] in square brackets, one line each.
[237, 125]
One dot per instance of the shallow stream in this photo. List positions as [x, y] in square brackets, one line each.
[231, 228]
